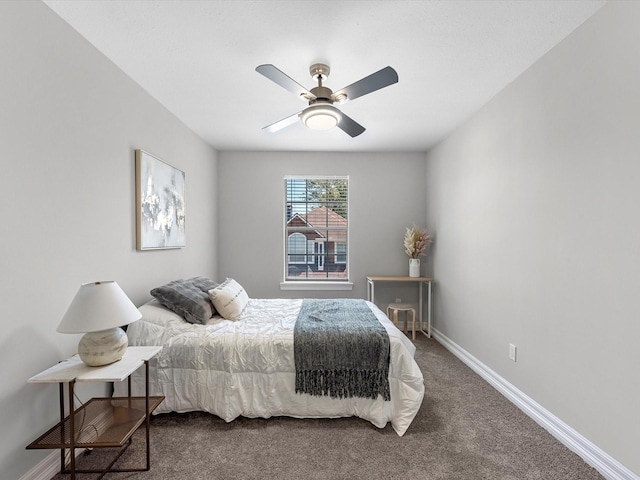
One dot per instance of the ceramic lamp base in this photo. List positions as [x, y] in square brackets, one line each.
[103, 347]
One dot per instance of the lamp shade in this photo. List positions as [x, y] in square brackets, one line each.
[98, 306]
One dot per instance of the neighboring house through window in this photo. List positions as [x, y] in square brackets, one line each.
[316, 228]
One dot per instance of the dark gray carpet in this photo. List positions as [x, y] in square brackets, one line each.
[464, 430]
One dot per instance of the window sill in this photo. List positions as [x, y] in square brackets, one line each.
[316, 285]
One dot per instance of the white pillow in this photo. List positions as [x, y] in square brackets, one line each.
[229, 298]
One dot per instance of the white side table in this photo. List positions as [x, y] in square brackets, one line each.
[100, 422]
[421, 281]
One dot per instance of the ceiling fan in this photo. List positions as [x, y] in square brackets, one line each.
[321, 114]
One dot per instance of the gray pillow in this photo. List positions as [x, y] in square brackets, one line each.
[203, 283]
[187, 298]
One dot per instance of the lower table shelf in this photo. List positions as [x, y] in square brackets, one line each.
[101, 422]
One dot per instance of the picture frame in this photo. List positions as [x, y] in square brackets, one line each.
[160, 204]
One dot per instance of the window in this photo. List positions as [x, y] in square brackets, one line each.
[316, 229]
[298, 252]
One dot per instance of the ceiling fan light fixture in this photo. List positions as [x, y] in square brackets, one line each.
[320, 116]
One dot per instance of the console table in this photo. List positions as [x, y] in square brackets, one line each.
[421, 281]
[100, 422]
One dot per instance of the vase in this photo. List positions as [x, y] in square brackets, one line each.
[414, 267]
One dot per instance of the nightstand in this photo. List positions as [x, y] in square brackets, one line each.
[100, 422]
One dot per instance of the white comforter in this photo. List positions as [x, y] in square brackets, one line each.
[246, 367]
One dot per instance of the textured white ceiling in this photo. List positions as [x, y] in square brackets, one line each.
[198, 59]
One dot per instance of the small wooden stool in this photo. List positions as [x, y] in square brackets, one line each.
[406, 308]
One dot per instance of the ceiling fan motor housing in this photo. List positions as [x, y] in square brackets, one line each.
[323, 94]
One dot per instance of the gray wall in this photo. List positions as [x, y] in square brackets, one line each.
[69, 124]
[534, 202]
[386, 194]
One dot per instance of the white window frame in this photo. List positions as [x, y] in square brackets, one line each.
[330, 284]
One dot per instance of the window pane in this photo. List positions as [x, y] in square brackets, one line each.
[316, 228]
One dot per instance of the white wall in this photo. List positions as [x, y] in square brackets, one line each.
[69, 124]
[534, 202]
[386, 194]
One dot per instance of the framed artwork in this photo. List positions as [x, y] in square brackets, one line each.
[160, 208]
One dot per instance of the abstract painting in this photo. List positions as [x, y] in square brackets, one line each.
[160, 208]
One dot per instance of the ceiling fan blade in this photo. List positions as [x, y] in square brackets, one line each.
[280, 124]
[285, 81]
[350, 126]
[380, 79]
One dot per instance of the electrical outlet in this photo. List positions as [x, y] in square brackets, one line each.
[398, 300]
[512, 352]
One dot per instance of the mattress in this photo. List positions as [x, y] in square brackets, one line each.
[246, 367]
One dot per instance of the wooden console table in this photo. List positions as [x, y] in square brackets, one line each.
[421, 281]
[100, 422]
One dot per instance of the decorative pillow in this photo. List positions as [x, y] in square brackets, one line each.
[229, 299]
[203, 283]
[187, 299]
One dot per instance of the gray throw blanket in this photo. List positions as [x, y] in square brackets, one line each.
[341, 350]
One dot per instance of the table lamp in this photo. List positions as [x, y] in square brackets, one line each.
[99, 309]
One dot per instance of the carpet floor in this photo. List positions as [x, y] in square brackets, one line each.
[465, 430]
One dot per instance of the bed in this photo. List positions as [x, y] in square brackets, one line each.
[245, 367]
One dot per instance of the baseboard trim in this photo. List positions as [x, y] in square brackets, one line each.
[46, 469]
[608, 466]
